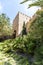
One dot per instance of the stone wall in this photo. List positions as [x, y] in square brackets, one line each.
[28, 24]
[16, 24]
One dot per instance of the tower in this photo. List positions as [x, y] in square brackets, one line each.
[18, 22]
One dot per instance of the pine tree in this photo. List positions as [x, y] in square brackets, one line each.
[24, 29]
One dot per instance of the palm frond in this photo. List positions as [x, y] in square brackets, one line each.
[24, 1]
[37, 3]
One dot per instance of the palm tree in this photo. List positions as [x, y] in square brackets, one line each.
[35, 3]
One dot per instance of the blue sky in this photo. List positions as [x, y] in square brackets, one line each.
[11, 8]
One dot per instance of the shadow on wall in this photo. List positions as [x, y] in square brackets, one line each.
[8, 37]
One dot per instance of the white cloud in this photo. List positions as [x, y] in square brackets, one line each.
[1, 7]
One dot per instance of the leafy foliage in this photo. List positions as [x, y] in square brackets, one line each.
[35, 2]
[5, 28]
[36, 31]
[24, 29]
[27, 49]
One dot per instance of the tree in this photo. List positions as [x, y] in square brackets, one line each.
[5, 27]
[36, 34]
[35, 3]
[37, 25]
[24, 29]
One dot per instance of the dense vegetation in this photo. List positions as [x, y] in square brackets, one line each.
[26, 49]
[5, 27]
